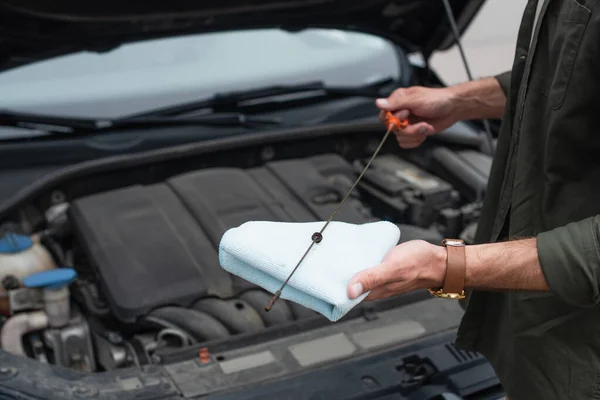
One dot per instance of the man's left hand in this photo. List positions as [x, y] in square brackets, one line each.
[409, 266]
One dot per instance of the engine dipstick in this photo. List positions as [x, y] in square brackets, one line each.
[317, 237]
[390, 119]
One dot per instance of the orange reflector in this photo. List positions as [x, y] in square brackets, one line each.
[204, 355]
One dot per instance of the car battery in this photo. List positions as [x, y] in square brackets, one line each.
[401, 191]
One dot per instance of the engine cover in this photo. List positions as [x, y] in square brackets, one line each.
[157, 245]
[406, 192]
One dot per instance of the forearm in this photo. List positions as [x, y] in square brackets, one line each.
[510, 265]
[483, 98]
[565, 261]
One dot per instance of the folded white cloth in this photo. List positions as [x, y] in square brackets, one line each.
[265, 253]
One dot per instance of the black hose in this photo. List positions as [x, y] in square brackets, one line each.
[53, 247]
[279, 314]
[89, 301]
[237, 315]
[200, 325]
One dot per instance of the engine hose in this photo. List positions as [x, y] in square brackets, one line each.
[241, 285]
[183, 337]
[17, 326]
[237, 315]
[199, 324]
[279, 314]
[138, 353]
[161, 323]
[90, 302]
[53, 247]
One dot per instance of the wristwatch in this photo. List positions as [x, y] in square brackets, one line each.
[456, 267]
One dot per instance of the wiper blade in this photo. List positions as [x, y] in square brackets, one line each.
[219, 119]
[44, 122]
[223, 110]
[239, 96]
[230, 101]
[57, 125]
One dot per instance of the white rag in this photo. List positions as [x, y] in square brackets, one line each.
[264, 253]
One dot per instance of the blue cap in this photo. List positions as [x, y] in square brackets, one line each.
[52, 279]
[13, 243]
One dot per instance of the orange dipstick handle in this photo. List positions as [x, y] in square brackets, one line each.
[391, 120]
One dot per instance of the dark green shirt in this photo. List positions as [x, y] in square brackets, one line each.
[545, 183]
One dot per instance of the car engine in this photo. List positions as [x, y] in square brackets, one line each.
[117, 275]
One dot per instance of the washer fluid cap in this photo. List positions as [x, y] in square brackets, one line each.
[53, 279]
[13, 243]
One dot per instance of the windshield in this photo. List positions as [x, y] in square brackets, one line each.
[158, 73]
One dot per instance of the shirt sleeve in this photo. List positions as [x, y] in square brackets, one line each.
[570, 260]
[504, 80]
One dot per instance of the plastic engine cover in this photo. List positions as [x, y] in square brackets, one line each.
[405, 192]
[157, 245]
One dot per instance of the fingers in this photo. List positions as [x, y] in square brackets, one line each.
[368, 280]
[409, 143]
[389, 290]
[384, 104]
[413, 135]
[397, 101]
[419, 129]
[415, 127]
[394, 107]
[383, 280]
[378, 294]
[402, 114]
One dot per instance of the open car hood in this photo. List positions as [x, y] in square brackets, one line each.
[32, 30]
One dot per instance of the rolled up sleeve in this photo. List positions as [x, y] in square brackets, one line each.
[570, 260]
[504, 81]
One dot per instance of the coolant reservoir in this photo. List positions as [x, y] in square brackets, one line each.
[21, 256]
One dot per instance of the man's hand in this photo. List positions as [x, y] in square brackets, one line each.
[417, 264]
[409, 266]
[431, 110]
[428, 110]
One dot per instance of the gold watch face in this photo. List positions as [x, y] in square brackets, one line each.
[452, 296]
[453, 242]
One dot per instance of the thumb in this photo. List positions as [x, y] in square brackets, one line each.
[394, 107]
[365, 281]
[384, 104]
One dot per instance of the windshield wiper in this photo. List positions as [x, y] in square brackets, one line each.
[232, 101]
[57, 125]
[222, 110]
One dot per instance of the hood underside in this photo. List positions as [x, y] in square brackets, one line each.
[33, 30]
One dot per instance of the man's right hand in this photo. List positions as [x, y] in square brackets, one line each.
[431, 110]
[428, 110]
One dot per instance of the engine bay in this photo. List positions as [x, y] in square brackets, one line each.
[118, 277]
